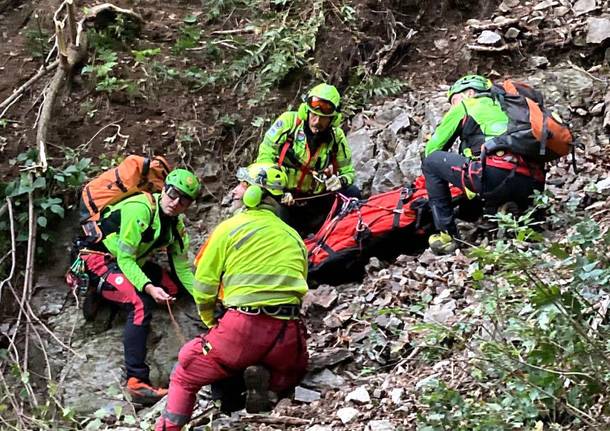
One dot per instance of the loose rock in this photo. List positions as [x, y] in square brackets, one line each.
[305, 395]
[489, 37]
[359, 395]
[598, 30]
[347, 414]
[582, 7]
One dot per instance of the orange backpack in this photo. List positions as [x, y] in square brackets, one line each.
[533, 131]
[135, 174]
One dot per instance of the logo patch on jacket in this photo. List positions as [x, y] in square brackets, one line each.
[276, 126]
[301, 135]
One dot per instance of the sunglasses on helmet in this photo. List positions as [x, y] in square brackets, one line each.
[173, 193]
[320, 105]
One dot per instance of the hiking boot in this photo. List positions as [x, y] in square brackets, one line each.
[256, 379]
[91, 304]
[143, 393]
[442, 243]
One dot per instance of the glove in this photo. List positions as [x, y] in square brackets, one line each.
[287, 199]
[333, 183]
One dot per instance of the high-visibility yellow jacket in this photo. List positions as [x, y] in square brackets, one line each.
[252, 259]
[133, 229]
[300, 159]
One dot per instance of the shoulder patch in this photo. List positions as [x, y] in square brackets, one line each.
[276, 126]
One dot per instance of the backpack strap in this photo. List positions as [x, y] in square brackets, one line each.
[176, 234]
[288, 142]
[145, 171]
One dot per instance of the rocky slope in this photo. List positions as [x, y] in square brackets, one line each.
[371, 364]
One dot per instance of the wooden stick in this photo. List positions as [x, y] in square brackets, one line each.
[17, 93]
[46, 113]
[9, 206]
[234, 31]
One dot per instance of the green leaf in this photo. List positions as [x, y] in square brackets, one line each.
[94, 425]
[478, 275]
[42, 221]
[57, 209]
[190, 19]
[558, 251]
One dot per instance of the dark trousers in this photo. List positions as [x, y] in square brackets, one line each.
[307, 216]
[495, 185]
[115, 287]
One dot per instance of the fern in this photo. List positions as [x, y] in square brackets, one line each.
[365, 87]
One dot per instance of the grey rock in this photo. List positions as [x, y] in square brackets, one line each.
[488, 37]
[357, 121]
[365, 175]
[388, 176]
[538, 61]
[564, 84]
[396, 395]
[512, 33]
[582, 7]
[324, 379]
[409, 156]
[597, 109]
[388, 321]
[324, 296]
[386, 142]
[359, 395]
[441, 44]
[362, 146]
[380, 425]
[598, 29]
[347, 414]
[329, 358]
[387, 115]
[320, 428]
[305, 395]
[512, 3]
[561, 11]
[603, 185]
[399, 123]
[544, 5]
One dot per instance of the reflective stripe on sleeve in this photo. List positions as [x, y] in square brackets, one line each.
[126, 248]
[206, 288]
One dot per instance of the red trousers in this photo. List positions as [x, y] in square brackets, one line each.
[103, 268]
[238, 341]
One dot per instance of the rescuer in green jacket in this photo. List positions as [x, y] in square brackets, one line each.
[311, 146]
[475, 117]
[255, 265]
[119, 270]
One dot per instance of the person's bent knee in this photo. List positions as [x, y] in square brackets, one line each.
[431, 162]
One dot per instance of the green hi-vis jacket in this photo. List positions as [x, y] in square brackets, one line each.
[133, 236]
[474, 121]
[251, 259]
[300, 160]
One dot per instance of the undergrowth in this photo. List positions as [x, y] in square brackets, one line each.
[537, 340]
